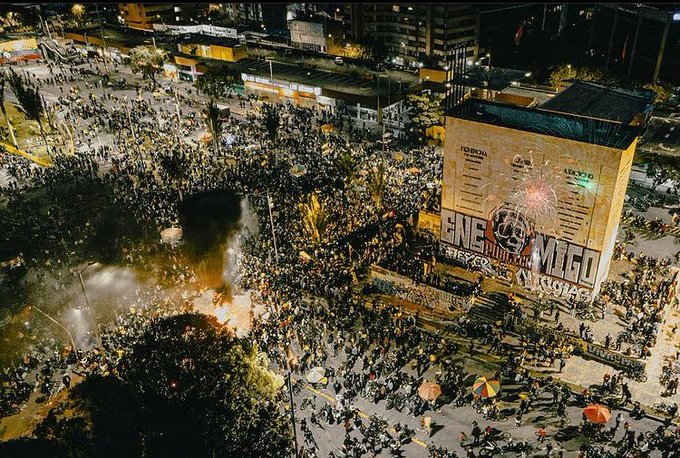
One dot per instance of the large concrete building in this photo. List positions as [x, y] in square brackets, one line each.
[640, 41]
[315, 34]
[535, 194]
[143, 16]
[268, 16]
[415, 33]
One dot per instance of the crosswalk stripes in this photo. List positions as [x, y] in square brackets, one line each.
[670, 230]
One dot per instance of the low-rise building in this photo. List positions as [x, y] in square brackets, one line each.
[209, 47]
[110, 42]
[142, 16]
[315, 34]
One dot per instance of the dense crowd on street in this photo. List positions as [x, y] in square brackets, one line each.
[316, 311]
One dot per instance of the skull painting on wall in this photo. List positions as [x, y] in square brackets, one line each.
[511, 231]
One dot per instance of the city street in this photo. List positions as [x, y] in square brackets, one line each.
[281, 217]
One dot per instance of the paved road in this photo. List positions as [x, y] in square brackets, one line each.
[449, 421]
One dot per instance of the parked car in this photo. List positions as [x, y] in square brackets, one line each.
[339, 61]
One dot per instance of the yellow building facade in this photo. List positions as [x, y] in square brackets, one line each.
[213, 51]
[534, 197]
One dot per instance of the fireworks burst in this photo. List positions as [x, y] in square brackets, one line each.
[536, 191]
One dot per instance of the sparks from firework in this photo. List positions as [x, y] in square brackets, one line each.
[531, 189]
[534, 194]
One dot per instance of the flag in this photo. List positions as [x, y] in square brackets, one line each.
[625, 47]
[519, 34]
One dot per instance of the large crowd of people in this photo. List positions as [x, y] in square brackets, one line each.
[316, 312]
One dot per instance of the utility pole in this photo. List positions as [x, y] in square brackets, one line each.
[291, 360]
[270, 205]
[662, 48]
[134, 135]
[292, 411]
[101, 30]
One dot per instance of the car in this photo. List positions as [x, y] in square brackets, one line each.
[338, 61]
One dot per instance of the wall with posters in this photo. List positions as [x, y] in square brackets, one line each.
[544, 207]
[394, 284]
[16, 50]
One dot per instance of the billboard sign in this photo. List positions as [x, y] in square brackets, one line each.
[17, 50]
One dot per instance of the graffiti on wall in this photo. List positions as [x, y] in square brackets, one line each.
[393, 284]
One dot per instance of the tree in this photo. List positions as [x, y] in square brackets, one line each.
[78, 13]
[187, 388]
[566, 72]
[314, 218]
[4, 114]
[30, 102]
[147, 60]
[214, 84]
[213, 121]
[99, 418]
[664, 92]
[377, 184]
[357, 51]
[205, 392]
[347, 165]
[424, 111]
[271, 119]
[662, 171]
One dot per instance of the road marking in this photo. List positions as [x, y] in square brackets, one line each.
[29, 156]
[361, 414]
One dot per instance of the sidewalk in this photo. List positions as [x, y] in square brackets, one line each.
[587, 372]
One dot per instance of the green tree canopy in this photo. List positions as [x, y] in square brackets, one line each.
[99, 418]
[30, 102]
[188, 388]
[566, 72]
[377, 185]
[357, 51]
[664, 92]
[425, 110]
[214, 84]
[661, 171]
[147, 60]
[213, 121]
[315, 219]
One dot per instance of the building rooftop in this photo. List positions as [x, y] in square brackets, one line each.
[125, 36]
[200, 39]
[337, 82]
[601, 102]
[560, 125]
[539, 94]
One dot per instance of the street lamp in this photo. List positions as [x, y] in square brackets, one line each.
[292, 362]
[270, 205]
[271, 72]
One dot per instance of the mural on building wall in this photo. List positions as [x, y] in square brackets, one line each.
[541, 207]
